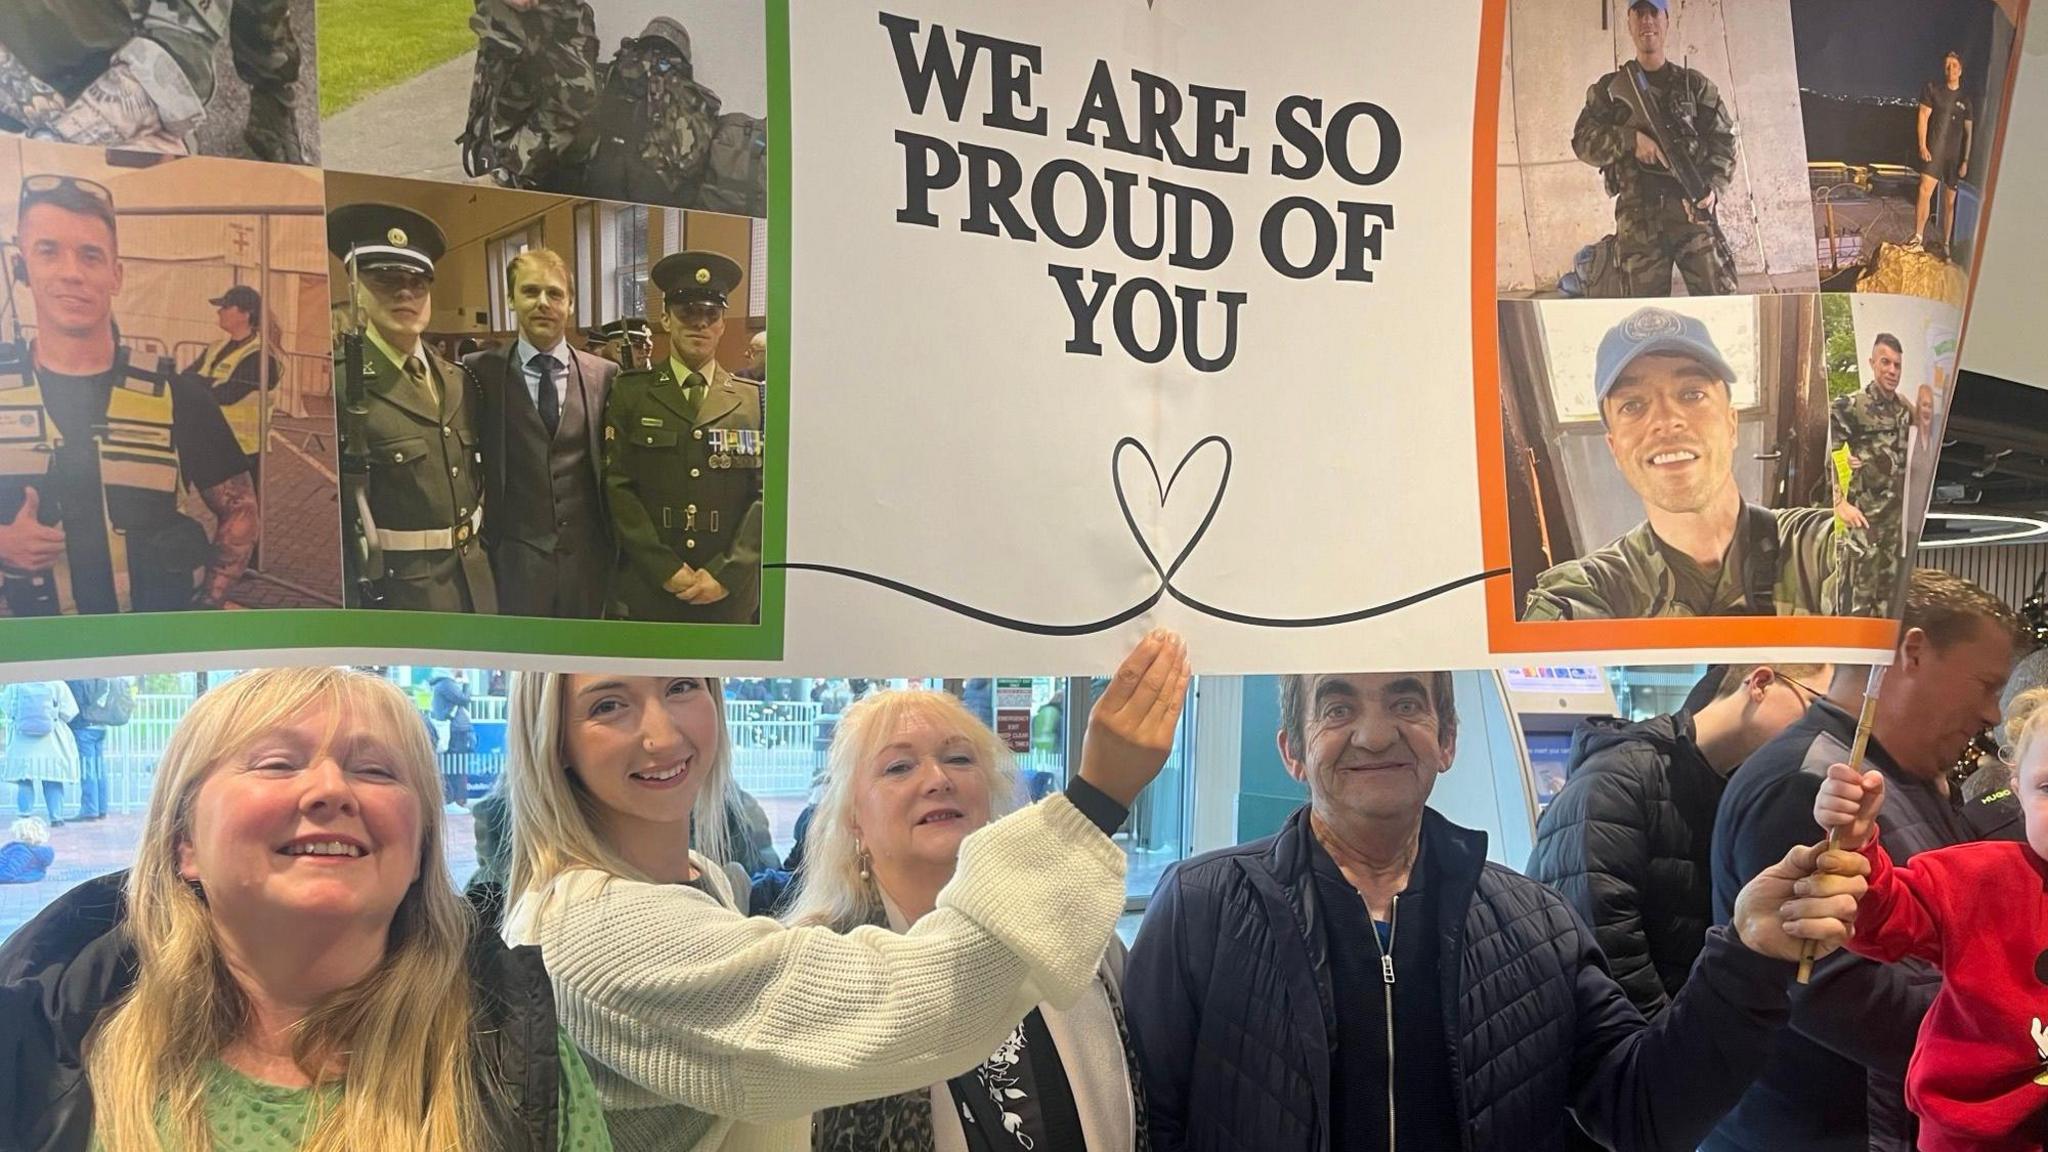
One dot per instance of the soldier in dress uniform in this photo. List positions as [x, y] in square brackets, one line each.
[1663, 389]
[96, 450]
[1655, 225]
[629, 343]
[683, 457]
[425, 484]
[1871, 427]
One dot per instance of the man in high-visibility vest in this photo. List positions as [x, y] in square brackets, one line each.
[239, 370]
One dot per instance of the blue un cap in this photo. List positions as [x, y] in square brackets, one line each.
[1646, 332]
[1663, 6]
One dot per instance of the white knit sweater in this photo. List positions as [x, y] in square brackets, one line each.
[710, 1032]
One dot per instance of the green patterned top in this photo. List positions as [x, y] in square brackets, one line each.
[245, 1115]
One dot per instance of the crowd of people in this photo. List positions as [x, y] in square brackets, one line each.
[286, 966]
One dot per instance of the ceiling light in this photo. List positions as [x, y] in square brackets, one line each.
[2018, 528]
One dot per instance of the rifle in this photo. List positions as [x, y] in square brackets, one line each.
[1632, 87]
[358, 525]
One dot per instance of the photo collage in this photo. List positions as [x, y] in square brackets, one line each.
[1723, 380]
[457, 306]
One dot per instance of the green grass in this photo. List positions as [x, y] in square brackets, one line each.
[369, 45]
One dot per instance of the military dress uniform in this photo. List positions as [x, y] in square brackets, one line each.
[682, 463]
[1778, 562]
[425, 484]
[1875, 428]
[1655, 226]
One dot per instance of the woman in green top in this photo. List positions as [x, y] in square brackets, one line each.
[308, 978]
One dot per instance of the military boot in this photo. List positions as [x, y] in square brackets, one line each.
[273, 130]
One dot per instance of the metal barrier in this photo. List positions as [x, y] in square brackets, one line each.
[778, 746]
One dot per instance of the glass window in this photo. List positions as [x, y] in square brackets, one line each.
[1642, 691]
[757, 270]
[499, 254]
[622, 259]
[586, 302]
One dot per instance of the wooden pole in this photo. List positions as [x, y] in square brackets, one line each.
[1864, 720]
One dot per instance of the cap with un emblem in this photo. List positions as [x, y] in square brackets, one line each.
[696, 278]
[631, 328]
[384, 236]
[1654, 331]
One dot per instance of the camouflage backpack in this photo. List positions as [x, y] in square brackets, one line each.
[653, 126]
[736, 172]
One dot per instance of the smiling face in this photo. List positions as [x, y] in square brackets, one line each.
[540, 299]
[1372, 745]
[1952, 69]
[1646, 26]
[920, 793]
[640, 745]
[1884, 368]
[74, 271]
[1671, 426]
[315, 821]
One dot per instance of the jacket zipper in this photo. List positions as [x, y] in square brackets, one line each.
[1387, 991]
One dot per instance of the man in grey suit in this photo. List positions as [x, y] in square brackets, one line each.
[542, 427]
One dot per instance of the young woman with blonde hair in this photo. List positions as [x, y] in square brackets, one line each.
[293, 969]
[909, 777]
[706, 1030]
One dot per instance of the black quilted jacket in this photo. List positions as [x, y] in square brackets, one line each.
[1628, 843]
[1228, 996]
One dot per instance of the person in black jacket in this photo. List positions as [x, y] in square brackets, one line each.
[1365, 979]
[287, 932]
[1625, 842]
[1835, 1078]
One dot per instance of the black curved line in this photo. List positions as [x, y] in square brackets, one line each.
[983, 615]
[1339, 618]
[1165, 573]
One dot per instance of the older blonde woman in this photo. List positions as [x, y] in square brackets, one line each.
[293, 968]
[708, 1030]
[909, 777]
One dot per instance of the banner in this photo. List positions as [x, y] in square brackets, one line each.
[930, 336]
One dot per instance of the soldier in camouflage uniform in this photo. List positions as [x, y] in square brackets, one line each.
[139, 73]
[1871, 426]
[1702, 550]
[536, 84]
[1655, 226]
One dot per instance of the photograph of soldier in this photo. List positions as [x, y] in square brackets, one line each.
[684, 449]
[541, 420]
[211, 77]
[518, 274]
[412, 498]
[1659, 459]
[628, 343]
[1901, 101]
[123, 486]
[1889, 363]
[644, 101]
[1648, 149]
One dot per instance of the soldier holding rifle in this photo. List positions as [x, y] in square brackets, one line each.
[1665, 145]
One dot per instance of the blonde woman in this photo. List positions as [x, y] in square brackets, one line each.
[707, 1030]
[909, 777]
[293, 968]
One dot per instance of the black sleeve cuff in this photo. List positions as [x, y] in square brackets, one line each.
[1098, 806]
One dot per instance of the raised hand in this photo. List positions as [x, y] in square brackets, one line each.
[1131, 728]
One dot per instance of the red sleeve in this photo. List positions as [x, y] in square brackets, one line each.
[1904, 911]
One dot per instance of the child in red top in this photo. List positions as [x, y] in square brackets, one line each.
[1979, 1074]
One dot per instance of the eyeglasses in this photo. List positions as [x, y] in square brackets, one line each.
[1806, 695]
[45, 185]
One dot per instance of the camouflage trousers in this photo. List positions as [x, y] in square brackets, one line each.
[542, 64]
[1654, 232]
[1869, 560]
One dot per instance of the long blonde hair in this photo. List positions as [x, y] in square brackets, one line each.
[404, 1030]
[830, 891]
[2026, 719]
[555, 818]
